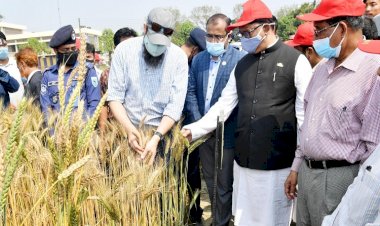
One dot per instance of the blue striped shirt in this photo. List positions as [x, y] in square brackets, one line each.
[148, 93]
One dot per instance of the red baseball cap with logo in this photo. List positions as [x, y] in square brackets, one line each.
[252, 10]
[328, 9]
[370, 46]
[304, 35]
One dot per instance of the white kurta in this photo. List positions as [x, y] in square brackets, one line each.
[259, 199]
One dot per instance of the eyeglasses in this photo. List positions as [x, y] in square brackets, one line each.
[247, 34]
[67, 50]
[318, 32]
[160, 29]
[218, 38]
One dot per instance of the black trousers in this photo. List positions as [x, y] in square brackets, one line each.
[194, 183]
[224, 180]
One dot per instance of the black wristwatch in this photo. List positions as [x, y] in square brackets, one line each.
[159, 135]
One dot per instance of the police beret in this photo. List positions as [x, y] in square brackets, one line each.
[198, 38]
[64, 35]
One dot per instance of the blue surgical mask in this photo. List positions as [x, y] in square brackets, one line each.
[154, 49]
[215, 48]
[4, 53]
[323, 48]
[250, 44]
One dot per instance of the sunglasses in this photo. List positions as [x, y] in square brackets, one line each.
[160, 29]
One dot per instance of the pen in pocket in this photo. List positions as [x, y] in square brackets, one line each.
[343, 110]
[274, 76]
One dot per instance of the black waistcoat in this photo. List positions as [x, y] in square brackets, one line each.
[266, 133]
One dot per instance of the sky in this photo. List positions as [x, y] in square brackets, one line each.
[46, 15]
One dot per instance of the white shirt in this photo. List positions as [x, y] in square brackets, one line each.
[31, 75]
[11, 68]
[148, 93]
[229, 99]
[212, 73]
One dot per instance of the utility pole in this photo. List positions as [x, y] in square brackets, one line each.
[59, 14]
[79, 25]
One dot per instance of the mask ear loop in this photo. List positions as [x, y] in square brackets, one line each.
[266, 34]
[336, 27]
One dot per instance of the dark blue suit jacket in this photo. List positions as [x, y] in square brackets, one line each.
[197, 88]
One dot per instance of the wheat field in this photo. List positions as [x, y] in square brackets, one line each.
[59, 170]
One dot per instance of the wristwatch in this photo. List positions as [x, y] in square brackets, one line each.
[159, 135]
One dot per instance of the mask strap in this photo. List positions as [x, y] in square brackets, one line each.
[336, 27]
[334, 30]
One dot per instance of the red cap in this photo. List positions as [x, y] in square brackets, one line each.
[370, 46]
[97, 57]
[252, 10]
[304, 35]
[328, 9]
[77, 43]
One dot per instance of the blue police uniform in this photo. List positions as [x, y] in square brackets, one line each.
[90, 91]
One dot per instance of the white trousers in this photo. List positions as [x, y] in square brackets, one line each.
[258, 197]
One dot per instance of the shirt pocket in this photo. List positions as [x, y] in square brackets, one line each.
[340, 123]
[281, 82]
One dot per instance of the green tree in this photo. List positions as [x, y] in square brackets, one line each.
[106, 42]
[237, 11]
[199, 15]
[182, 32]
[287, 21]
[178, 17]
[36, 45]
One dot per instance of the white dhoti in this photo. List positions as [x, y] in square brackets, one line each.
[258, 197]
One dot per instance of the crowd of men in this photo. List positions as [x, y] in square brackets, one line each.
[302, 117]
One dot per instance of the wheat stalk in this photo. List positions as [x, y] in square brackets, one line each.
[89, 128]
[9, 175]
[61, 85]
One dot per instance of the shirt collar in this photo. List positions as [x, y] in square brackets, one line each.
[219, 58]
[351, 62]
[31, 75]
[55, 67]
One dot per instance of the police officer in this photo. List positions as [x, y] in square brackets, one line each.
[195, 43]
[63, 43]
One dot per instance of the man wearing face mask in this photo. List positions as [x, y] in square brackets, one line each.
[148, 82]
[342, 112]
[360, 204]
[63, 43]
[209, 74]
[10, 66]
[267, 85]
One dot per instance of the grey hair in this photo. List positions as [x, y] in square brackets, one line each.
[354, 22]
